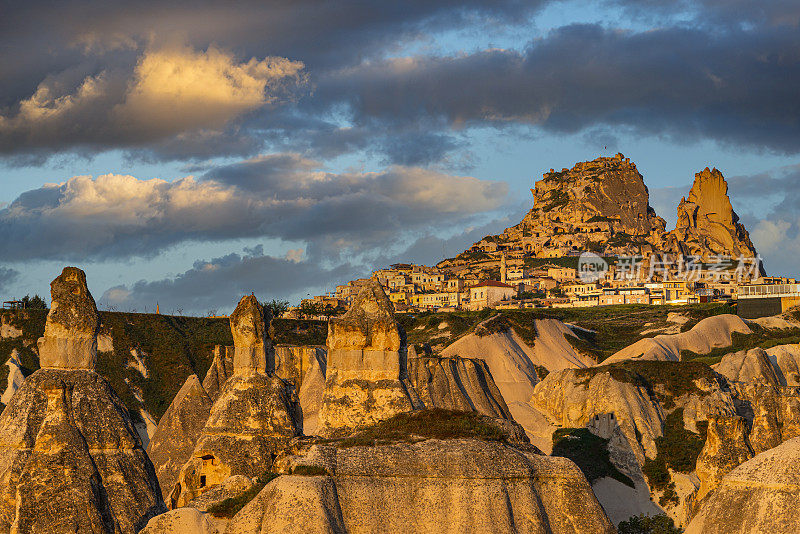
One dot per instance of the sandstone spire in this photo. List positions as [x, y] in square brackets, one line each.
[249, 326]
[253, 418]
[70, 334]
[707, 225]
[70, 456]
[367, 378]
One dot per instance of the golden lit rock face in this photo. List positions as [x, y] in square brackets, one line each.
[726, 447]
[707, 224]
[595, 205]
[443, 486]
[367, 378]
[253, 417]
[70, 334]
[249, 327]
[71, 460]
[178, 431]
[761, 495]
[368, 325]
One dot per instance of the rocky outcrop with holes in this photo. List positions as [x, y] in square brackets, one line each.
[600, 205]
[177, 432]
[254, 417]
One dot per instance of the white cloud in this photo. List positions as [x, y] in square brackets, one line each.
[279, 196]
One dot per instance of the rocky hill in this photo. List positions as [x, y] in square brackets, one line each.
[597, 205]
[603, 206]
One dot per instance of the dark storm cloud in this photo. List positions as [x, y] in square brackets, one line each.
[51, 53]
[734, 86]
[278, 196]
[219, 283]
[725, 71]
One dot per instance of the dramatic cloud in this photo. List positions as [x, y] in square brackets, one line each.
[218, 284]
[170, 92]
[734, 86]
[279, 196]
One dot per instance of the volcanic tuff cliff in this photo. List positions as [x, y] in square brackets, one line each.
[603, 206]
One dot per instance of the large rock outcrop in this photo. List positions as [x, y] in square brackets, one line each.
[254, 417]
[707, 225]
[449, 486]
[460, 384]
[366, 379]
[776, 366]
[70, 334]
[573, 398]
[760, 495]
[515, 367]
[177, 432]
[601, 204]
[726, 447]
[70, 458]
[773, 413]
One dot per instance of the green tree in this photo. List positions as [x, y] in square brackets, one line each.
[33, 303]
[277, 307]
[310, 309]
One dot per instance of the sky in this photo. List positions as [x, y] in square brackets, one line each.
[186, 153]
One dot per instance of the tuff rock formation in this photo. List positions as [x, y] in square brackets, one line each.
[601, 204]
[70, 335]
[70, 458]
[776, 366]
[177, 433]
[707, 225]
[573, 399]
[726, 448]
[254, 417]
[449, 486]
[220, 371]
[773, 413]
[366, 379]
[461, 384]
[760, 495]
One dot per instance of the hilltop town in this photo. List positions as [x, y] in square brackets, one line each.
[597, 211]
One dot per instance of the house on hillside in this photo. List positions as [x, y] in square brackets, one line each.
[488, 293]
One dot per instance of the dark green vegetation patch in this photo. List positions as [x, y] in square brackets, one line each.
[426, 424]
[589, 452]
[678, 450]
[299, 332]
[174, 348]
[643, 524]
